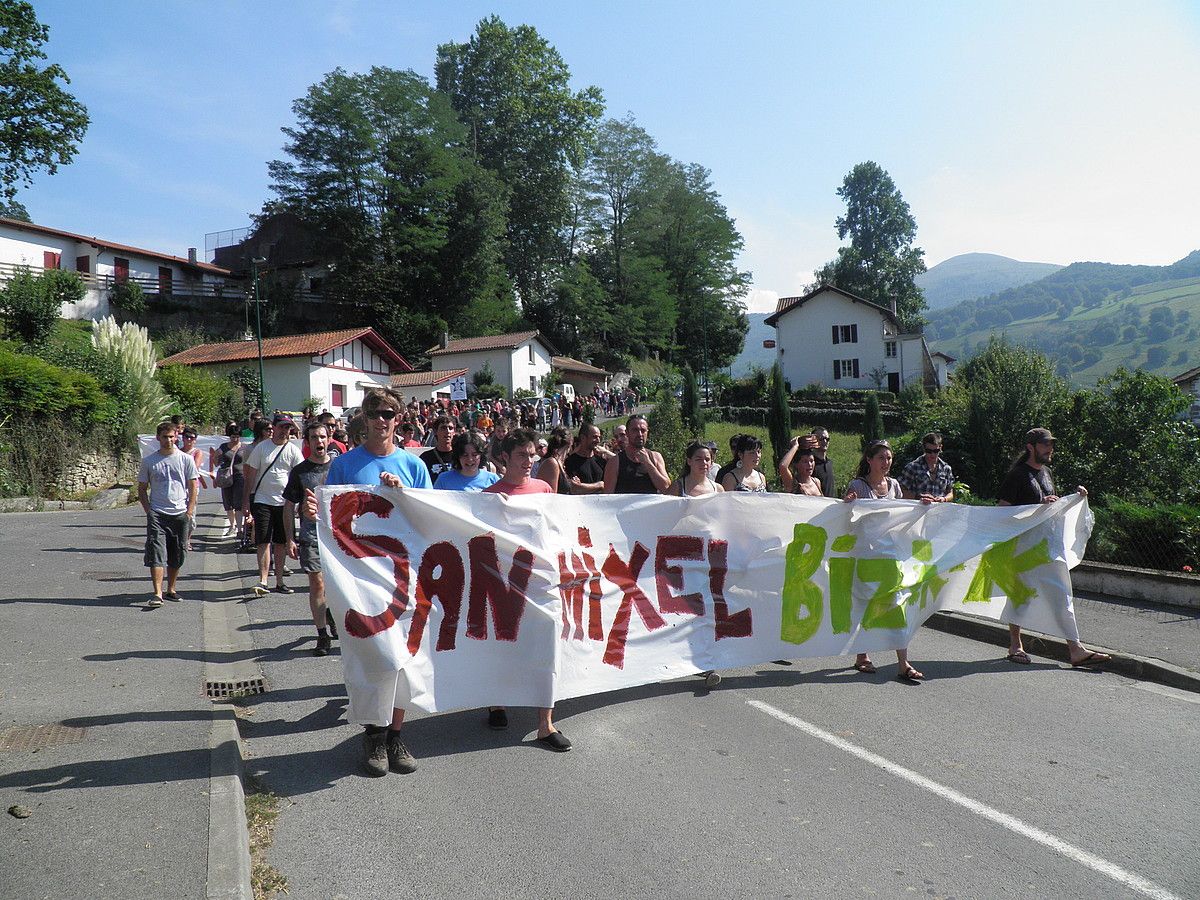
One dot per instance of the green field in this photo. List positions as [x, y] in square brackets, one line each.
[1180, 350]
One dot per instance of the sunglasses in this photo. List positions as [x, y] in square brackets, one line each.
[386, 414]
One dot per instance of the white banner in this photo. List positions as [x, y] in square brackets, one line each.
[484, 599]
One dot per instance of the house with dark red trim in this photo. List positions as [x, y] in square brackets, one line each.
[335, 367]
[103, 264]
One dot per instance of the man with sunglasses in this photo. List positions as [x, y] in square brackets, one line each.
[928, 478]
[378, 461]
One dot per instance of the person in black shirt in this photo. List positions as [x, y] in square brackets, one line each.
[308, 476]
[1030, 481]
[438, 458]
[584, 465]
[637, 469]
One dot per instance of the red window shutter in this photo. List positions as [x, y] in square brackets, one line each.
[837, 366]
[50, 259]
[120, 269]
[338, 395]
[835, 334]
[83, 264]
[856, 368]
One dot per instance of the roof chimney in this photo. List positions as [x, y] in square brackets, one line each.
[192, 255]
[892, 306]
[445, 339]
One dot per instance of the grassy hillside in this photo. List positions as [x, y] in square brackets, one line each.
[972, 275]
[1154, 326]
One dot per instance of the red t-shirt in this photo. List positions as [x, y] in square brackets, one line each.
[531, 486]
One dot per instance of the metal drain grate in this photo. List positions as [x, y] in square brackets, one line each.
[244, 687]
[38, 737]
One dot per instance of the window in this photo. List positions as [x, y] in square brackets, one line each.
[845, 334]
[314, 284]
[120, 269]
[50, 259]
[889, 349]
[845, 368]
[337, 394]
[83, 264]
[533, 383]
[164, 280]
[532, 359]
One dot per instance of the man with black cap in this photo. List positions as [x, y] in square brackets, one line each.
[1030, 481]
[266, 473]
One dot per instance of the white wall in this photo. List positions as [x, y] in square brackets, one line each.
[500, 360]
[322, 378]
[805, 349]
[523, 369]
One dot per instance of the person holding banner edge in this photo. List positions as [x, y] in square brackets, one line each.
[1030, 481]
[379, 460]
[517, 452]
[872, 482]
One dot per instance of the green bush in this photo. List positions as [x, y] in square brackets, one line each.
[1150, 537]
[667, 434]
[128, 297]
[31, 304]
[32, 388]
[203, 398]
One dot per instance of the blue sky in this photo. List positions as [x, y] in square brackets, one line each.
[1047, 132]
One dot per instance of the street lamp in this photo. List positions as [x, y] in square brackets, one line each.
[254, 264]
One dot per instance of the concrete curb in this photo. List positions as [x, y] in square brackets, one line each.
[1129, 664]
[228, 835]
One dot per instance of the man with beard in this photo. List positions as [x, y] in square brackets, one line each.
[637, 469]
[1030, 481]
[585, 465]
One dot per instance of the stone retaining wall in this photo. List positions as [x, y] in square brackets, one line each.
[1147, 585]
[99, 470]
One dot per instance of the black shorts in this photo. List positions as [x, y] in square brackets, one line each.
[166, 540]
[268, 524]
[231, 497]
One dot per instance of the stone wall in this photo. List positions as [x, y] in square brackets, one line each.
[99, 469]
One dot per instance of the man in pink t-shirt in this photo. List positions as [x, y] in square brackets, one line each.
[518, 452]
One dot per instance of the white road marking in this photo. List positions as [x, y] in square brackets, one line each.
[1163, 691]
[1098, 864]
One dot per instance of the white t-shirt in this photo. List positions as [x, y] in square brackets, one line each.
[274, 479]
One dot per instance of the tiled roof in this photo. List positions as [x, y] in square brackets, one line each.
[493, 342]
[787, 304]
[425, 379]
[288, 345]
[109, 245]
[573, 365]
[1189, 375]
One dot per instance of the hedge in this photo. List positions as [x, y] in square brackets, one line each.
[31, 387]
[1150, 537]
[835, 418]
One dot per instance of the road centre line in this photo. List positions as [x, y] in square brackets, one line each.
[1098, 864]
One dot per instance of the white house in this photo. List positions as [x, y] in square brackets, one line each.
[582, 376]
[833, 338]
[518, 361]
[336, 367]
[103, 264]
[426, 385]
[1189, 382]
[943, 366]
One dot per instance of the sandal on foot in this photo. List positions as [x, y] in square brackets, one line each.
[261, 589]
[1021, 658]
[866, 667]
[1092, 659]
[910, 674]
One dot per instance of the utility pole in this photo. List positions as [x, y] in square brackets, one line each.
[254, 264]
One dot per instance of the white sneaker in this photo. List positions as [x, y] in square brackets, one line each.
[227, 532]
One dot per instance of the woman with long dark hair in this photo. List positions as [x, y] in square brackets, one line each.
[745, 476]
[694, 482]
[872, 482]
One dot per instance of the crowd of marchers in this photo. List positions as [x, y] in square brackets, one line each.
[268, 488]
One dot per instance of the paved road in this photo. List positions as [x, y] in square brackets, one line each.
[796, 781]
[674, 791]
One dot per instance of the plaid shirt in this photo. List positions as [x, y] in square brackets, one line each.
[916, 479]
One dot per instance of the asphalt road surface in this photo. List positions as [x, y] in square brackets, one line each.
[809, 780]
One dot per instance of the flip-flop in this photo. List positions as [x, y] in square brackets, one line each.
[1021, 658]
[867, 668]
[910, 675]
[1092, 659]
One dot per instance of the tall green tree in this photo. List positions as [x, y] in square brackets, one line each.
[41, 123]
[880, 263]
[525, 124]
[779, 416]
[872, 419]
[380, 164]
[689, 402]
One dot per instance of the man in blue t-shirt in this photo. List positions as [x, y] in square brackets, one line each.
[379, 461]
